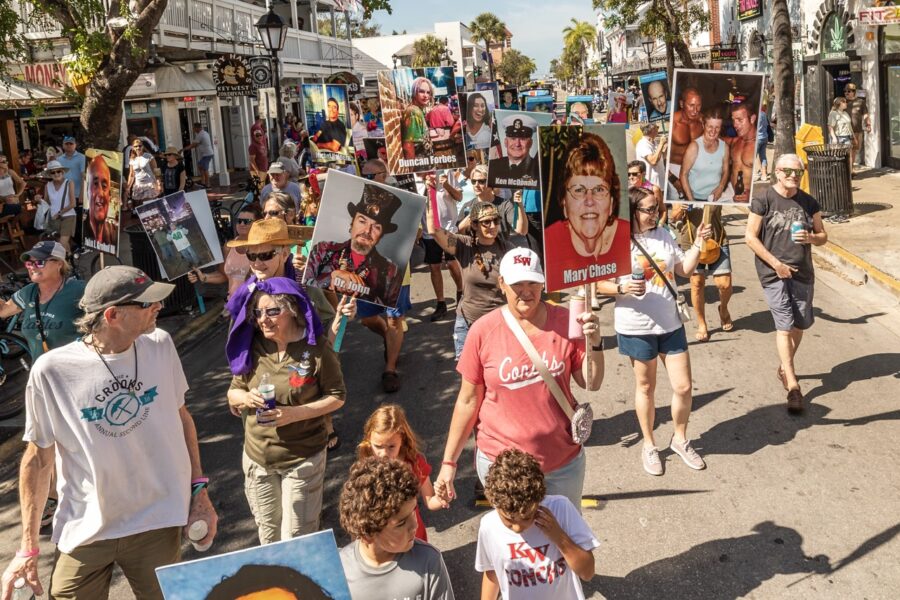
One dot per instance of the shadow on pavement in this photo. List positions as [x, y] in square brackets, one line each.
[860, 320]
[862, 368]
[760, 322]
[721, 569]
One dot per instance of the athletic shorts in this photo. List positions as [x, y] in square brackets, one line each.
[722, 266]
[205, 161]
[648, 347]
[791, 303]
[367, 309]
[434, 254]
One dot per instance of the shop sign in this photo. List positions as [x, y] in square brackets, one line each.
[231, 74]
[347, 78]
[723, 55]
[139, 108]
[749, 9]
[48, 74]
[700, 57]
[834, 37]
[881, 15]
[261, 71]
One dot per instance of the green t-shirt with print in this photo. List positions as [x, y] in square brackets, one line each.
[58, 315]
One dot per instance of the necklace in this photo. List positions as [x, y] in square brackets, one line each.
[131, 383]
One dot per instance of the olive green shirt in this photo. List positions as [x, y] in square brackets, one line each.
[307, 373]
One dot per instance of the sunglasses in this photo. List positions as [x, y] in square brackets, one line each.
[479, 181]
[470, 158]
[58, 172]
[371, 176]
[261, 256]
[142, 305]
[850, 90]
[270, 313]
[649, 210]
[35, 264]
[634, 174]
[489, 222]
[274, 213]
[244, 221]
[789, 172]
[257, 135]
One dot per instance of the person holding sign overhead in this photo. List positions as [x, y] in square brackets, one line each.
[517, 168]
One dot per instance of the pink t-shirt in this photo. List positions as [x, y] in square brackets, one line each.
[518, 409]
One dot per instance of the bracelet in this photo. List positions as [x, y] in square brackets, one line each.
[619, 289]
[449, 463]
[197, 488]
[199, 480]
[598, 347]
[28, 553]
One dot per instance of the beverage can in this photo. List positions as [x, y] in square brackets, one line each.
[576, 308]
[797, 227]
[196, 532]
[267, 391]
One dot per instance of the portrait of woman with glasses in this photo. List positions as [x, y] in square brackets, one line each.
[590, 241]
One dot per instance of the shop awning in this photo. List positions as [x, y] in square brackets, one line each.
[175, 80]
[15, 93]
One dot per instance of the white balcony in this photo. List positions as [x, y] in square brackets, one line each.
[225, 26]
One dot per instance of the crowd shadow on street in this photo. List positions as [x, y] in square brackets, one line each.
[857, 320]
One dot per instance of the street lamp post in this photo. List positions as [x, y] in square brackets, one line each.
[648, 44]
[273, 31]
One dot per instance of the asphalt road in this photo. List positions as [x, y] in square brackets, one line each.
[790, 507]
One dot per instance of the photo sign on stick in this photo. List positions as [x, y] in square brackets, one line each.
[514, 161]
[306, 567]
[364, 236]
[102, 199]
[585, 204]
[328, 122]
[421, 119]
[655, 89]
[712, 135]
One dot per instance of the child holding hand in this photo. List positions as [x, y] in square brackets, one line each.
[387, 434]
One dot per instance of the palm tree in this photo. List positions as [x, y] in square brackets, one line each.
[488, 28]
[784, 78]
[581, 36]
[427, 51]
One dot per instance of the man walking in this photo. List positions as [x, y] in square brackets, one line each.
[859, 121]
[75, 162]
[205, 152]
[109, 409]
[781, 227]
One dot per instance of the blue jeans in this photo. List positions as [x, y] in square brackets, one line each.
[761, 152]
[190, 255]
[460, 331]
[568, 480]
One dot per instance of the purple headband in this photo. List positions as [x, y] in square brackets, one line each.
[240, 338]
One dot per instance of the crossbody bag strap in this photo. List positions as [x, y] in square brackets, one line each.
[656, 268]
[39, 322]
[538, 363]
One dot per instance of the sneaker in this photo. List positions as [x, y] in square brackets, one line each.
[795, 401]
[650, 457]
[49, 511]
[687, 454]
[439, 311]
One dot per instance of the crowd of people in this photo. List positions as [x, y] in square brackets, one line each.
[110, 384]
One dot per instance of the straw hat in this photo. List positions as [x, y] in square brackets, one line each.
[266, 231]
[172, 150]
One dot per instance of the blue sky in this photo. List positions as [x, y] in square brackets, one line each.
[536, 25]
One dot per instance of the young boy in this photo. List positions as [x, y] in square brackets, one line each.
[531, 545]
[386, 561]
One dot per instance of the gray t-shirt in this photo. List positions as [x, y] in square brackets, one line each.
[204, 144]
[778, 213]
[419, 573]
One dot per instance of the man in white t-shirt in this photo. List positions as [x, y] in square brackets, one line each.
[653, 152]
[205, 152]
[109, 410]
[179, 236]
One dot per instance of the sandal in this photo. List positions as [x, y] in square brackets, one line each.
[334, 442]
[727, 324]
[702, 336]
[390, 381]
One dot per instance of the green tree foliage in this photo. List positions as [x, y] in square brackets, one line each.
[578, 38]
[428, 51]
[360, 27]
[488, 28]
[516, 68]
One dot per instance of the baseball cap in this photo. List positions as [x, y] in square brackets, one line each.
[120, 284]
[45, 249]
[67, 139]
[521, 264]
[275, 168]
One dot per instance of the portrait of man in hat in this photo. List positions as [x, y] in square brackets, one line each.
[518, 168]
[355, 266]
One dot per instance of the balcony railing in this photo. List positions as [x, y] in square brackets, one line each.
[215, 26]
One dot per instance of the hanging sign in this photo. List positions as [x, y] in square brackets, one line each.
[231, 74]
[749, 9]
[880, 15]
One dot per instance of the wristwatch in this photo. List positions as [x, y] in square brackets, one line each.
[619, 289]
[598, 347]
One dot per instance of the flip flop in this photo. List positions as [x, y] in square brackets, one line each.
[334, 442]
[727, 324]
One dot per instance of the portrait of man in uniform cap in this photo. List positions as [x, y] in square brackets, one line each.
[517, 168]
[359, 265]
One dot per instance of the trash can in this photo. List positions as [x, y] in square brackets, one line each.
[829, 178]
[144, 258]
[807, 135]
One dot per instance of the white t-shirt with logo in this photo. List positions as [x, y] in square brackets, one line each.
[179, 237]
[121, 459]
[528, 565]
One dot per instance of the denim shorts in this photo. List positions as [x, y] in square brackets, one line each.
[648, 347]
[367, 309]
[204, 162]
[460, 332]
[722, 266]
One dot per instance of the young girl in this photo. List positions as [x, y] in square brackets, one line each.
[387, 434]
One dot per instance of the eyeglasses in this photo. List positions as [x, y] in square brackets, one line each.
[649, 210]
[470, 158]
[57, 172]
[579, 192]
[142, 305]
[850, 91]
[274, 213]
[261, 256]
[257, 135]
[371, 176]
[244, 221]
[35, 264]
[479, 181]
[490, 222]
[271, 313]
[788, 172]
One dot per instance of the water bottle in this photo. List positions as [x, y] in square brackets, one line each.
[576, 308]
[21, 590]
[267, 391]
[637, 274]
[196, 532]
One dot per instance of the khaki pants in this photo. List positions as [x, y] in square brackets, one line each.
[285, 502]
[85, 573]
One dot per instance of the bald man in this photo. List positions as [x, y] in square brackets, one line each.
[658, 100]
[687, 126]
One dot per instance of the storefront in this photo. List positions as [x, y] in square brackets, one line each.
[884, 22]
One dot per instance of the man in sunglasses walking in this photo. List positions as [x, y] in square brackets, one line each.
[781, 228]
[109, 410]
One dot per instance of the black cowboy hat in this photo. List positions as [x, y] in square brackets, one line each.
[377, 204]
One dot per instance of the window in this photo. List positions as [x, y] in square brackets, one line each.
[890, 40]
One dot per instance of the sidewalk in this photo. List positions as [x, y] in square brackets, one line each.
[866, 249]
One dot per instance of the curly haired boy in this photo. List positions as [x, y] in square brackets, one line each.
[385, 560]
[531, 545]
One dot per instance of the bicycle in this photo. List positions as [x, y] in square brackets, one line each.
[253, 189]
[15, 364]
[223, 221]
